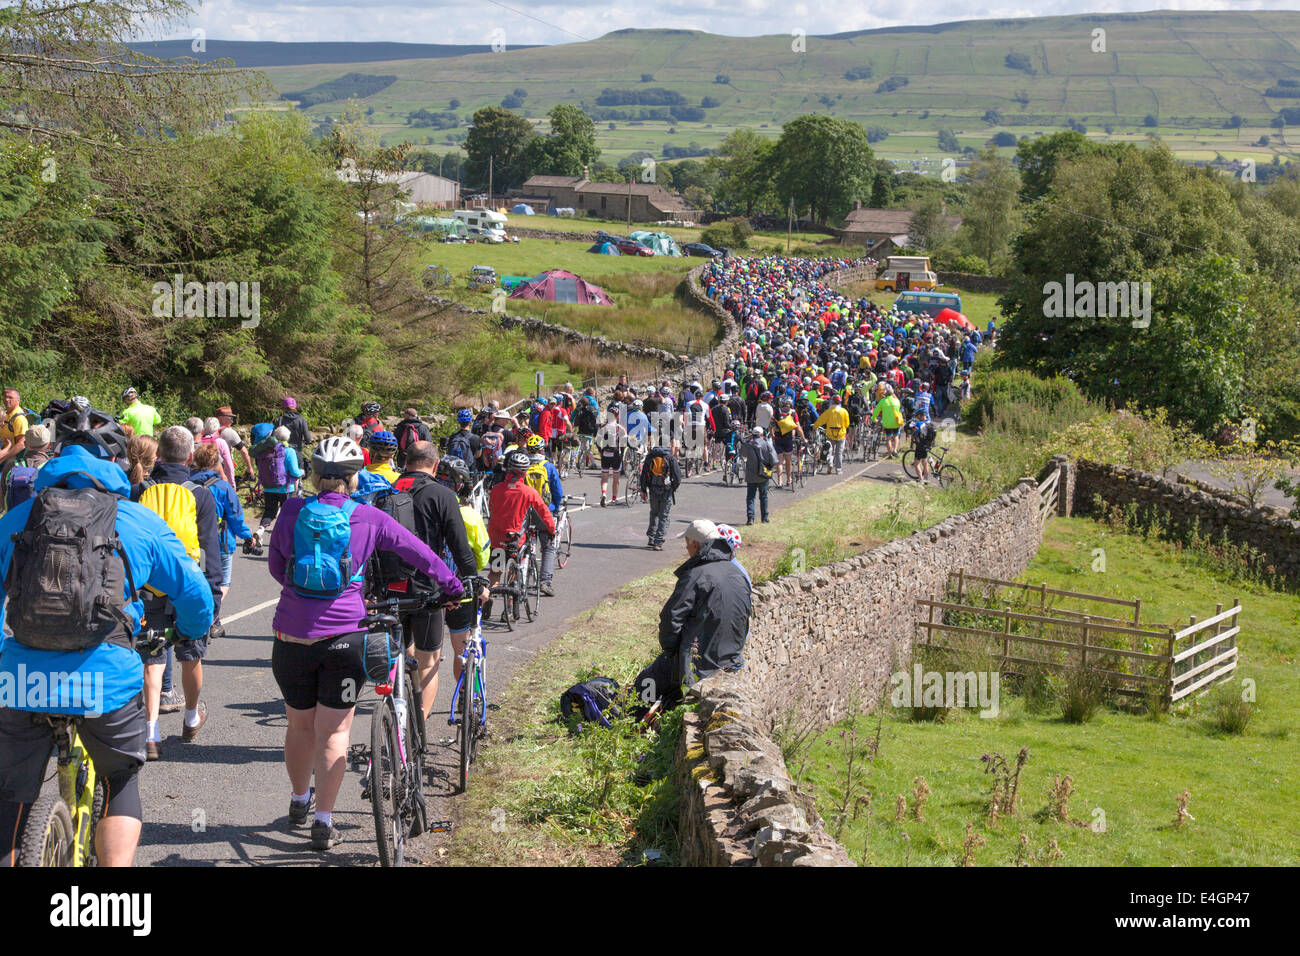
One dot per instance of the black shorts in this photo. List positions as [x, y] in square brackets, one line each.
[329, 672]
[611, 459]
[784, 444]
[923, 450]
[425, 630]
[115, 742]
[462, 617]
[160, 613]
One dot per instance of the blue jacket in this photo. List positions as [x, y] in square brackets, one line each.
[557, 489]
[157, 558]
[230, 513]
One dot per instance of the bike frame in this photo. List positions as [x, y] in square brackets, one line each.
[76, 786]
[475, 649]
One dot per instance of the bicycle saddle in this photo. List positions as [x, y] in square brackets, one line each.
[374, 621]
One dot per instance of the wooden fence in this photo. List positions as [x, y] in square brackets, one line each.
[1047, 496]
[1134, 659]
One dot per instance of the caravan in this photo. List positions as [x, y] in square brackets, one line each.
[484, 225]
[904, 273]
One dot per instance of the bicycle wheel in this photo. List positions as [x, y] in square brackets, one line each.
[564, 547]
[510, 597]
[97, 805]
[47, 838]
[632, 489]
[414, 808]
[949, 475]
[908, 461]
[467, 732]
[386, 784]
[531, 580]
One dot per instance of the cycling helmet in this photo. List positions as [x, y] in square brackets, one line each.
[730, 535]
[464, 416]
[129, 394]
[337, 457]
[536, 441]
[95, 429]
[454, 470]
[536, 458]
[371, 409]
[638, 404]
[518, 462]
[383, 441]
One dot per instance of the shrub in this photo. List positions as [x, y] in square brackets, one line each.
[732, 233]
[1079, 694]
[1138, 438]
[1016, 386]
[1226, 712]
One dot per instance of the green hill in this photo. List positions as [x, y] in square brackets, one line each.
[1189, 71]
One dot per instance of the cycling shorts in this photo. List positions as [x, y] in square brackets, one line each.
[115, 742]
[328, 672]
[784, 444]
[425, 630]
[611, 460]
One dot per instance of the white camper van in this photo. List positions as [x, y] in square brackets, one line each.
[483, 224]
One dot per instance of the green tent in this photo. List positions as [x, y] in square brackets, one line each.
[660, 243]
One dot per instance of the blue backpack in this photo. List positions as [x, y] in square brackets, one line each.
[22, 482]
[321, 564]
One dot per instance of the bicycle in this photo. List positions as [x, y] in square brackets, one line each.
[945, 474]
[60, 826]
[469, 700]
[250, 491]
[564, 530]
[875, 438]
[393, 782]
[632, 460]
[478, 498]
[521, 584]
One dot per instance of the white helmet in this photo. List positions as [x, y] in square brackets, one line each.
[337, 457]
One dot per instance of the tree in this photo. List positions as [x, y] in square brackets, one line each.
[824, 164]
[501, 136]
[1039, 159]
[929, 227]
[948, 141]
[570, 145]
[992, 214]
[882, 189]
[1150, 121]
[742, 167]
[1004, 138]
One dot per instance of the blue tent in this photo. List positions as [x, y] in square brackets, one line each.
[522, 208]
[605, 249]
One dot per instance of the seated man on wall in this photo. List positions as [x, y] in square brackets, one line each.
[703, 626]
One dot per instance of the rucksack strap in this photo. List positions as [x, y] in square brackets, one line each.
[63, 481]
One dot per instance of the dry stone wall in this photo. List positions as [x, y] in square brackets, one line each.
[1273, 535]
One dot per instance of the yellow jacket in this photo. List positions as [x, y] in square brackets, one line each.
[477, 534]
[836, 422]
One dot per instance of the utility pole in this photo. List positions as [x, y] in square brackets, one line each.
[490, 160]
[789, 229]
[630, 177]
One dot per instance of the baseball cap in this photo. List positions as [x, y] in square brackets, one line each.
[758, 430]
[290, 402]
[701, 531]
[38, 436]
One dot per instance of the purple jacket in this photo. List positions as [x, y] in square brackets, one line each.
[305, 617]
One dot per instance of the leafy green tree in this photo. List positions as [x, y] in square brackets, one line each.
[570, 145]
[948, 141]
[497, 137]
[824, 164]
[1039, 159]
[929, 228]
[744, 173]
[992, 214]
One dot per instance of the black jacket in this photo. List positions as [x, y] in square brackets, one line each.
[438, 523]
[299, 433]
[708, 611]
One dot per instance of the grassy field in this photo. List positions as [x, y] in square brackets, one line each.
[1190, 71]
[1127, 769]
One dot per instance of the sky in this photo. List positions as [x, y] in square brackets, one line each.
[529, 21]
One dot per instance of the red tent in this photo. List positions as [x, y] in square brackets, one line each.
[560, 286]
[951, 316]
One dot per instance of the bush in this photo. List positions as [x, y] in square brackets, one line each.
[1016, 386]
[1145, 440]
[732, 233]
[1079, 693]
[1226, 712]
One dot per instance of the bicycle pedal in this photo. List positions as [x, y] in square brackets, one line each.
[439, 826]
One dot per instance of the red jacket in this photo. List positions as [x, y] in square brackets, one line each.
[509, 502]
[546, 422]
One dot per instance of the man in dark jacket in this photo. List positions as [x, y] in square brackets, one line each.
[660, 479]
[407, 432]
[760, 459]
[299, 433]
[439, 525]
[703, 625]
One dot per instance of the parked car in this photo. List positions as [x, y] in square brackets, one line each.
[701, 249]
[630, 247]
[482, 277]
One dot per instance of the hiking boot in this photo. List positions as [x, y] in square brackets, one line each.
[153, 750]
[300, 813]
[548, 589]
[170, 702]
[189, 733]
[324, 836]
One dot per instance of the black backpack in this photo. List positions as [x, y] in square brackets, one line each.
[460, 446]
[584, 419]
[68, 570]
[591, 700]
[400, 506]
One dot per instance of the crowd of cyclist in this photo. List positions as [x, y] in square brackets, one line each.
[157, 519]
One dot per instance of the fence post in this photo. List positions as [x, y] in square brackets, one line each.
[961, 583]
[1169, 669]
[1006, 637]
[1137, 616]
[1083, 652]
[929, 628]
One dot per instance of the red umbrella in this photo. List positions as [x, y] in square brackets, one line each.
[949, 316]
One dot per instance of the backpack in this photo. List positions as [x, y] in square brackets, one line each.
[491, 450]
[540, 480]
[67, 573]
[584, 419]
[176, 505]
[590, 700]
[406, 432]
[271, 471]
[22, 480]
[399, 505]
[754, 389]
[460, 446]
[320, 564]
[659, 476]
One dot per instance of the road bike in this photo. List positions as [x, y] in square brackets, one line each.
[469, 705]
[478, 497]
[520, 585]
[632, 460]
[564, 529]
[393, 781]
[945, 474]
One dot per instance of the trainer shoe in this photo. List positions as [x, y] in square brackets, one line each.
[171, 702]
[602, 501]
[324, 836]
[153, 750]
[189, 733]
[300, 813]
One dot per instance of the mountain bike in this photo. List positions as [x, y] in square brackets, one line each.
[469, 700]
[394, 776]
[59, 829]
[520, 584]
[945, 474]
[875, 438]
[249, 490]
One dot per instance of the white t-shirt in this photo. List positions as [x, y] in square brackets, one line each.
[763, 415]
[231, 438]
[612, 435]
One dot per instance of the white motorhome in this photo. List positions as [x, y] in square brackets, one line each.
[485, 225]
